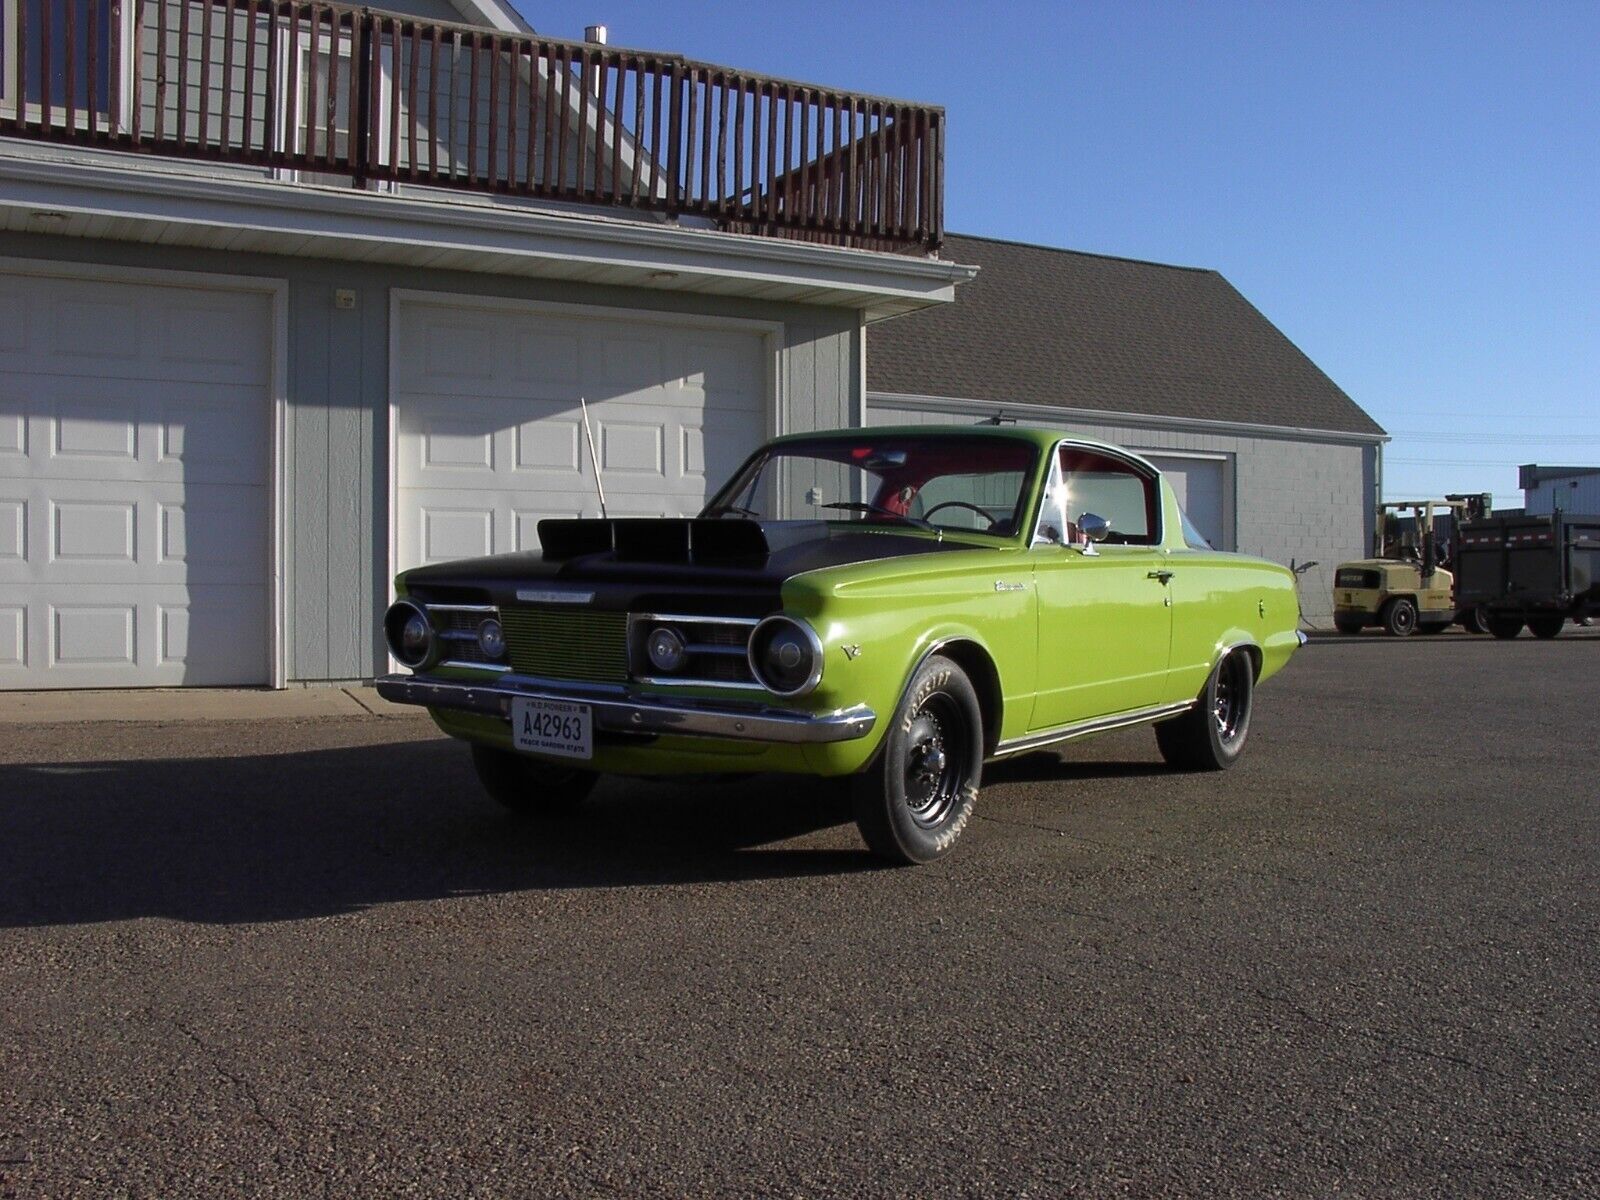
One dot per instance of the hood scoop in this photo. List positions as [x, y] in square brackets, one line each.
[674, 540]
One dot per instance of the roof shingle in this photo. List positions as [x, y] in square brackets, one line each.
[1060, 327]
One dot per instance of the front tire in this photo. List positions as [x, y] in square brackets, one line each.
[1400, 617]
[913, 802]
[531, 787]
[1545, 627]
[1211, 735]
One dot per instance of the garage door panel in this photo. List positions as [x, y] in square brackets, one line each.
[134, 485]
[551, 447]
[455, 531]
[13, 639]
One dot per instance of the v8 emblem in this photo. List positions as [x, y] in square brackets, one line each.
[851, 650]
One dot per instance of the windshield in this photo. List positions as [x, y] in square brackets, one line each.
[972, 484]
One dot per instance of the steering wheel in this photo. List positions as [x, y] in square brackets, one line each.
[928, 515]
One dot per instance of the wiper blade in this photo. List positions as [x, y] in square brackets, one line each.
[875, 510]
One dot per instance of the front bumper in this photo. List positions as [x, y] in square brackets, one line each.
[621, 712]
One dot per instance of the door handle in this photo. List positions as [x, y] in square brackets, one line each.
[1163, 576]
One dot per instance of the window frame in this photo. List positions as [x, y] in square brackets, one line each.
[8, 59]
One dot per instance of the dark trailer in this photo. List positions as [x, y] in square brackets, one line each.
[1536, 571]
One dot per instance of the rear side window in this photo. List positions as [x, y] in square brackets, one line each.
[1192, 537]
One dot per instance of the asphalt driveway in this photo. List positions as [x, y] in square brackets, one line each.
[306, 957]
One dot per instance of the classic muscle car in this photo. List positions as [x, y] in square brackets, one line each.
[891, 607]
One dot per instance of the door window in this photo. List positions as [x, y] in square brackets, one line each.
[1088, 481]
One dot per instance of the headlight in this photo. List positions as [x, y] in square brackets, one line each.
[492, 639]
[665, 649]
[786, 656]
[409, 633]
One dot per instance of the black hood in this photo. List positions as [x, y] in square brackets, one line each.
[636, 564]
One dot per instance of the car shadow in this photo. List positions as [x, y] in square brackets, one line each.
[323, 832]
[1046, 766]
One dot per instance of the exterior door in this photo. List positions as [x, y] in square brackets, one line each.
[1105, 618]
[135, 495]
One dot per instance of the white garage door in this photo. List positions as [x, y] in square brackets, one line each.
[489, 433]
[1199, 484]
[134, 498]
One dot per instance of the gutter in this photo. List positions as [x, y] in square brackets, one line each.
[407, 227]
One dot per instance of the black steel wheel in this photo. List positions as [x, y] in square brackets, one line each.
[1546, 627]
[1400, 617]
[1505, 628]
[1476, 620]
[531, 787]
[914, 800]
[1211, 735]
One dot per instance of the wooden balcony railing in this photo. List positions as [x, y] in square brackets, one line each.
[326, 90]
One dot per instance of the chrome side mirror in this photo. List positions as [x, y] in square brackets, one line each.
[1094, 528]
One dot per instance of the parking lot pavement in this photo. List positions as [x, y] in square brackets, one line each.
[305, 957]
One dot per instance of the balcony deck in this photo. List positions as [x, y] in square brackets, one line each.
[328, 92]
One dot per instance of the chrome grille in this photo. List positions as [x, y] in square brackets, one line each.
[457, 627]
[580, 644]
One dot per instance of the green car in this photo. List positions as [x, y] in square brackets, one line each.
[890, 607]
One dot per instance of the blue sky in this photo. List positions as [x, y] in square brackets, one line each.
[1410, 191]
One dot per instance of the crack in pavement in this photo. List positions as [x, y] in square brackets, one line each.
[240, 1084]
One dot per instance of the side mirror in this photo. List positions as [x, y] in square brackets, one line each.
[1094, 527]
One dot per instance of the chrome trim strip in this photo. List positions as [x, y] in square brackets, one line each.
[1063, 733]
[669, 681]
[639, 714]
[467, 608]
[751, 622]
[477, 666]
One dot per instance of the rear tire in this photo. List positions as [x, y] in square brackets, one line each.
[1211, 735]
[1400, 617]
[1545, 627]
[531, 787]
[1348, 625]
[1504, 628]
[1476, 620]
[914, 800]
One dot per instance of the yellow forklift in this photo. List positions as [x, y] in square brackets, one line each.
[1407, 587]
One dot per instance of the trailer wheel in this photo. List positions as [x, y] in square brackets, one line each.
[1476, 620]
[1545, 627]
[1505, 628]
[1400, 617]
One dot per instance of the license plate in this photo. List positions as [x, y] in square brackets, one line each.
[552, 727]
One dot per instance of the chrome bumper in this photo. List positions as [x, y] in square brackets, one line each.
[620, 712]
[1301, 634]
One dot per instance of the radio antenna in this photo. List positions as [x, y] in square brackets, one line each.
[594, 460]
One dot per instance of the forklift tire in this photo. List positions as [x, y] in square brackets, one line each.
[1348, 625]
[1476, 620]
[1505, 628]
[1545, 627]
[1400, 617]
